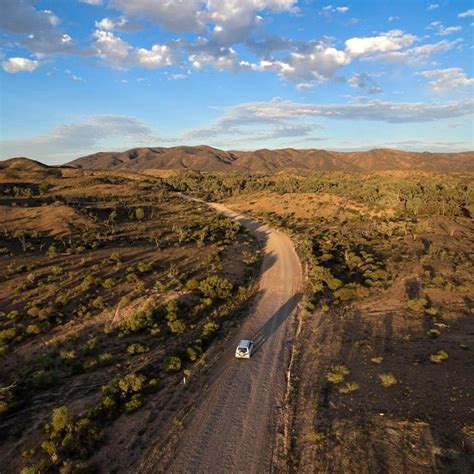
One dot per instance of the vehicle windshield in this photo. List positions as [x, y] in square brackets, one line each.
[242, 349]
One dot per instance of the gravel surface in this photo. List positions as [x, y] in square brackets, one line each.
[233, 428]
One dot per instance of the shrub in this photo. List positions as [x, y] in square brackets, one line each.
[209, 329]
[90, 345]
[61, 418]
[173, 363]
[3, 406]
[417, 305]
[387, 380]
[67, 354]
[98, 303]
[349, 387]
[115, 257]
[334, 283]
[144, 267]
[194, 352]
[215, 287]
[105, 357]
[32, 329]
[134, 403]
[108, 283]
[87, 282]
[337, 374]
[137, 348]
[138, 320]
[439, 357]
[434, 333]
[120, 393]
[52, 251]
[139, 213]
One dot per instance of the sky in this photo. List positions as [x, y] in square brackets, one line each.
[82, 76]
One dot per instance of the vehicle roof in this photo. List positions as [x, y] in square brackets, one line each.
[245, 343]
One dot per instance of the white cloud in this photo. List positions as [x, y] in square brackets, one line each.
[159, 55]
[120, 23]
[393, 18]
[332, 9]
[231, 21]
[443, 30]
[416, 55]
[119, 54]
[225, 59]
[174, 15]
[467, 13]
[278, 113]
[73, 76]
[315, 61]
[110, 48]
[433, 6]
[391, 41]
[66, 141]
[92, 2]
[14, 65]
[445, 80]
[305, 86]
[36, 30]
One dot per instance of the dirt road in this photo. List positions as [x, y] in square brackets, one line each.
[233, 428]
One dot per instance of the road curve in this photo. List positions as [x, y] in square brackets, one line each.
[232, 429]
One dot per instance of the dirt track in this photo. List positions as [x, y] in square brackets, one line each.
[233, 428]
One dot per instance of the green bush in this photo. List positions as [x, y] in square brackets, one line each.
[337, 374]
[334, 283]
[439, 357]
[173, 363]
[138, 320]
[387, 380]
[108, 283]
[215, 287]
[349, 387]
[32, 329]
[137, 348]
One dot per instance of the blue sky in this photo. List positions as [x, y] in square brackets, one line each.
[80, 76]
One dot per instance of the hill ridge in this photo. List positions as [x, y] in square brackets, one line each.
[204, 158]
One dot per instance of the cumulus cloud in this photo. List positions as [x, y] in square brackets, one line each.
[230, 21]
[316, 61]
[92, 2]
[433, 6]
[119, 54]
[66, 141]
[445, 80]
[13, 65]
[37, 30]
[391, 41]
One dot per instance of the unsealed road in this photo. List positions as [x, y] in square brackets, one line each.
[232, 429]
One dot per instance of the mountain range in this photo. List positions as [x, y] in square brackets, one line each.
[207, 159]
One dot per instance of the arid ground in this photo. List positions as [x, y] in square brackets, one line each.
[124, 295]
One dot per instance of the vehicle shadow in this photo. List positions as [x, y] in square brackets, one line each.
[264, 333]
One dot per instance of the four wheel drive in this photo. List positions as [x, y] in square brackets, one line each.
[244, 349]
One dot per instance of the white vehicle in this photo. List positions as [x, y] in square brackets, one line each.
[244, 349]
